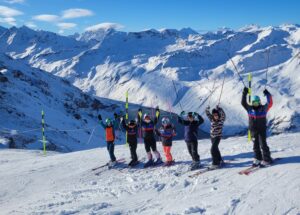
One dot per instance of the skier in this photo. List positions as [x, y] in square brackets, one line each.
[258, 126]
[191, 136]
[109, 126]
[147, 126]
[167, 132]
[217, 118]
[132, 131]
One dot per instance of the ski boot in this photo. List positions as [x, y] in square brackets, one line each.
[265, 163]
[111, 164]
[133, 163]
[195, 165]
[214, 166]
[148, 163]
[256, 163]
[158, 161]
[169, 163]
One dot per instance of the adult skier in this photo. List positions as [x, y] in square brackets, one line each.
[148, 126]
[167, 132]
[217, 118]
[191, 135]
[132, 131]
[257, 114]
[109, 127]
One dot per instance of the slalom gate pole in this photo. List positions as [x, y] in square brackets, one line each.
[43, 132]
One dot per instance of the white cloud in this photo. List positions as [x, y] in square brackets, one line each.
[105, 25]
[8, 20]
[66, 25]
[46, 18]
[15, 1]
[31, 25]
[76, 13]
[9, 12]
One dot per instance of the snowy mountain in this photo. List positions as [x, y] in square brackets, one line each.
[107, 62]
[70, 115]
[64, 183]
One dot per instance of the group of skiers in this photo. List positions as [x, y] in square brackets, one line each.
[146, 125]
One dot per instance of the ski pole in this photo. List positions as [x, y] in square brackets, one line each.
[236, 69]
[268, 59]
[212, 91]
[221, 90]
[177, 95]
[294, 58]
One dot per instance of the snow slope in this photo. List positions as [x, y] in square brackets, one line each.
[64, 183]
[70, 115]
[107, 62]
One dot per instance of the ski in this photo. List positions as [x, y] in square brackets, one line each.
[111, 167]
[253, 169]
[121, 160]
[206, 169]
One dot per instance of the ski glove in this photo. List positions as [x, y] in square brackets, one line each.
[246, 90]
[266, 92]
[115, 115]
[99, 117]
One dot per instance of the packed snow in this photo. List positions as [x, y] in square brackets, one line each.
[32, 183]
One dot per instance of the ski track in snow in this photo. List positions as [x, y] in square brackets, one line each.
[34, 184]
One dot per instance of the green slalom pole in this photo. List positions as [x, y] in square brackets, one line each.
[126, 116]
[250, 93]
[43, 132]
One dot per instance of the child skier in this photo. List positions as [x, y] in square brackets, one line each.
[132, 131]
[257, 114]
[217, 118]
[147, 126]
[191, 136]
[167, 132]
[109, 126]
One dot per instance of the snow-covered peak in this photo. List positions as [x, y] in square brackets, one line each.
[250, 28]
[2, 29]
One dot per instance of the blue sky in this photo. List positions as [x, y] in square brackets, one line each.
[69, 16]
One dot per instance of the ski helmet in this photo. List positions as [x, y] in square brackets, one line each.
[255, 99]
[165, 121]
[108, 121]
[214, 111]
[132, 122]
[191, 114]
[146, 116]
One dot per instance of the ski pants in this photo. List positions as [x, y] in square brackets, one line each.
[150, 144]
[167, 151]
[260, 146]
[215, 152]
[110, 149]
[193, 150]
[133, 147]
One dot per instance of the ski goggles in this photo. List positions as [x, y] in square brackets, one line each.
[255, 103]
